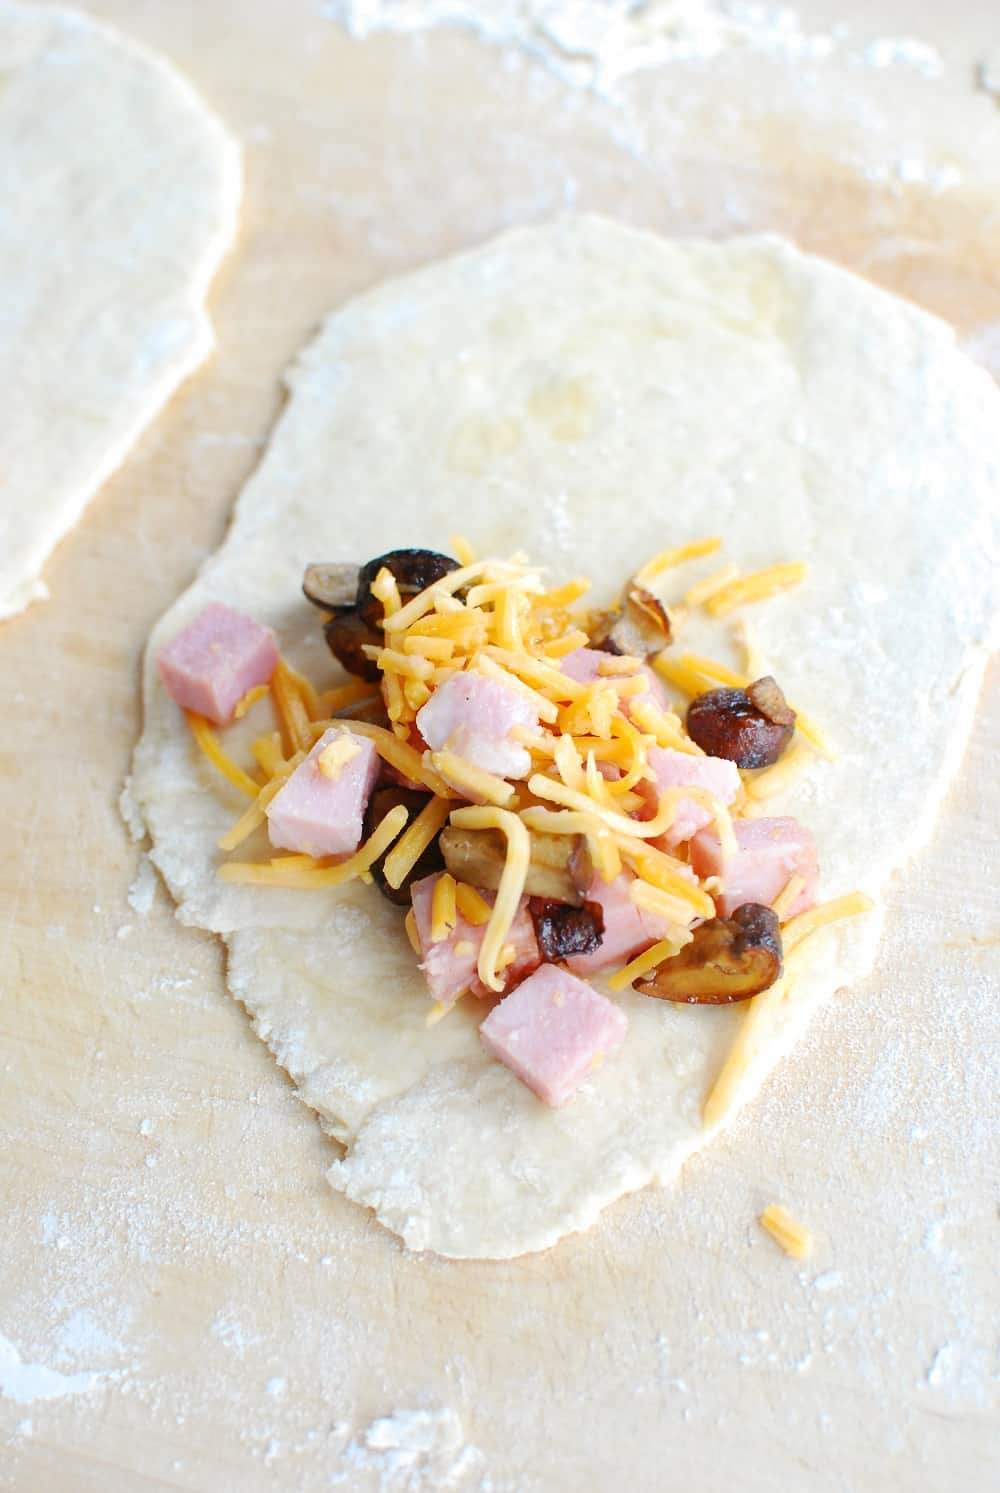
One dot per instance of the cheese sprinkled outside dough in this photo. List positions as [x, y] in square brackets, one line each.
[794, 1238]
[678, 554]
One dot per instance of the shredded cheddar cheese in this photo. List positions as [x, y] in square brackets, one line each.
[788, 896]
[410, 847]
[385, 589]
[289, 871]
[444, 913]
[641, 965]
[209, 743]
[798, 929]
[332, 760]
[474, 782]
[292, 714]
[756, 587]
[462, 549]
[700, 592]
[472, 904]
[511, 887]
[410, 924]
[254, 816]
[793, 1237]
[250, 698]
[678, 554]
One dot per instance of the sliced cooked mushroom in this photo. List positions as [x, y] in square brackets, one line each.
[741, 724]
[381, 801]
[640, 627]
[346, 635]
[563, 931]
[560, 869]
[332, 587]
[414, 571]
[728, 959]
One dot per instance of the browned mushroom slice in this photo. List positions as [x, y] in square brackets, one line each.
[381, 801]
[728, 959]
[346, 636]
[641, 627]
[730, 723]
[560, 869]
[414, 571]
[332, 587]
[563, 931]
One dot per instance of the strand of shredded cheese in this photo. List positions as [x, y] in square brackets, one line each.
[462, 549]
[444, 912]
[700, 592]
[758, 586]
[472, 904]
[254, 816]
[678, 554]
[209, 743]
[799, 928]
[511, 887]
[788, 896]
[748, 1044]
[666, 948]
[661, 904]
[410, 847]
[474, 782]
[292, 714]
[267, 753]
[793, 1237]
[289, 870]
[332, 701]
[250, 698]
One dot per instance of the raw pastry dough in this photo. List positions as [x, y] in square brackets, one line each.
[121, 193]
[590, 394]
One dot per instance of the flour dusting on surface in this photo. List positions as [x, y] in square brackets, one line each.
[411, 1451]
[25, 1383]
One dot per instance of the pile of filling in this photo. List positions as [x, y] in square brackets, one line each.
[555, 794]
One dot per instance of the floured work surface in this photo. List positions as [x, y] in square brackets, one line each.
[243, 1323]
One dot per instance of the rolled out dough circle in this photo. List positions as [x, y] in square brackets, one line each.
[590, 394]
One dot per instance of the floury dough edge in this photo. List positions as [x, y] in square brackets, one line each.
[589, 393]
[123, 214]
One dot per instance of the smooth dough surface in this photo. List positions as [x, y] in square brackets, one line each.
[590, 394]
[120, 195]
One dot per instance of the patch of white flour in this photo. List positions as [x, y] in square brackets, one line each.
[411, 1451]
[25, 1383]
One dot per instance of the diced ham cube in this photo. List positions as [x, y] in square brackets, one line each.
[678, 770]
[209, 667]
[472, 715]
[450, 966]
[553, 1032]
[583, 665]
[627, 928]
[769, 852]
[320, 815]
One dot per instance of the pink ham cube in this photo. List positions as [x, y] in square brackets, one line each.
[584, 665]
[318, 815]
[627, 928]
[209, 667]
[769, 852]
[450, 966]
[472, 715]
[553, 1032]
[679, 769]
